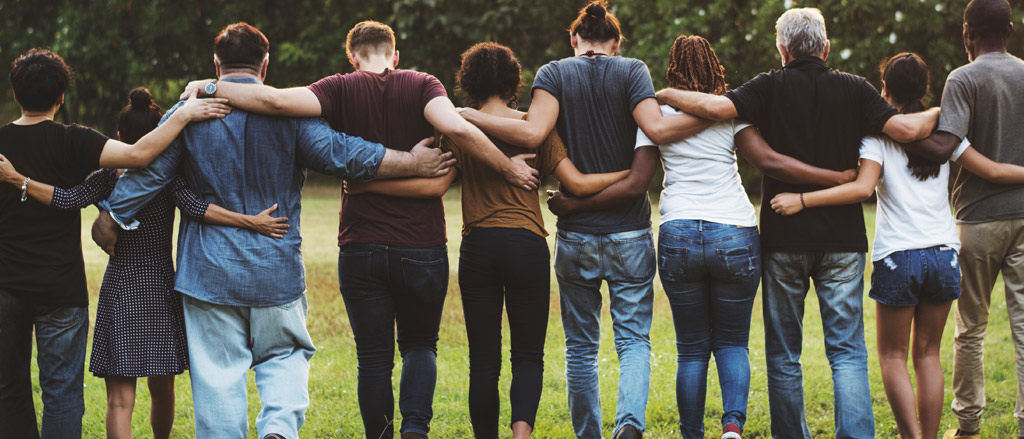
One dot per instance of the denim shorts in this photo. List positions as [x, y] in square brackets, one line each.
[907, 277]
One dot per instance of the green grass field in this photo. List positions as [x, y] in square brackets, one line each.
[334, 411]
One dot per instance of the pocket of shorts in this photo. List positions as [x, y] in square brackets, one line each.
[739, 262]
[426, 278]
[891, 273]
[948, 266]
[672, 263]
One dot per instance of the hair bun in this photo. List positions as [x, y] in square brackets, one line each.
[597, 10]
[140, 98]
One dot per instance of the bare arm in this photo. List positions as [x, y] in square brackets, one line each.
[906, 128]
[781, 167]
[995, 172]
[117, 154]
[707, 106]
[442, 116]
[938, 147]
[264, 99]
[666, 129]
[404, 187]
[853, 192]
[209, 213]
[579, 184]
[529, 133]
[620, 194]
[420, 161]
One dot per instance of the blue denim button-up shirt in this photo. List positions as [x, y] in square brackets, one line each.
[244, 162]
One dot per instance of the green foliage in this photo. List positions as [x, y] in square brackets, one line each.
[115, 45]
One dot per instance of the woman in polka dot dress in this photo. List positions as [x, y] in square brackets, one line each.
[140, 328]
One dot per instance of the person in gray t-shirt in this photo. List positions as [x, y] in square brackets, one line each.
[983, 102]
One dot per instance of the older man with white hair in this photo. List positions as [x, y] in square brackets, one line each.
[817, 115]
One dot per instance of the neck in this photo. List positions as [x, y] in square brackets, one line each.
[34, 117]
[985, 49]
[376, 64]
[496, 105]
[584, 46]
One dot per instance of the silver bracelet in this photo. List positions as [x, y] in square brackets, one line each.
[24, 189]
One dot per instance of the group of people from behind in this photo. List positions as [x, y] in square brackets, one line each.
[596, 125]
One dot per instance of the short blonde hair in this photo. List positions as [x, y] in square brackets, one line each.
[802, 32]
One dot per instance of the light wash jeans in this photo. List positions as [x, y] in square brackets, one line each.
[839, 283]
[224, 342]
[626, 261]
[60, 339]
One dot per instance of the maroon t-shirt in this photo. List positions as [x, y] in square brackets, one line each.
[386, 108]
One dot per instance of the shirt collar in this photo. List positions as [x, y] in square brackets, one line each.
[242, 80]
[804, 60]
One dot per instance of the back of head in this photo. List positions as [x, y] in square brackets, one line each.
[693, 65]
[489, 69]
[595, 23]
[906, 82]
[39, 78]
[370, 38]
[802, 32]
[989, 19]
[139, 117]
[240, 46]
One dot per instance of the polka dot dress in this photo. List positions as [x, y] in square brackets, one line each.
[140, 327]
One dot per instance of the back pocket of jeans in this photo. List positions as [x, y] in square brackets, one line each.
[354, 270]
[428, 279]
[636, 262]
[948, 267]
[567, 257]
[672, 263]
[739, 262]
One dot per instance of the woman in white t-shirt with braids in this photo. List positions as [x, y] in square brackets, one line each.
[709, 253]
[916, 274]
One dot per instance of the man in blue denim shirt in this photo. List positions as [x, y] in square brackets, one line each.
[243, 294]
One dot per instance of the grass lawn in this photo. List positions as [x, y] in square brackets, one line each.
[334, 411]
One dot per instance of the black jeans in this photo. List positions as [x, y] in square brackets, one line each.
[504, 266]
[382, 286]
[60, 339]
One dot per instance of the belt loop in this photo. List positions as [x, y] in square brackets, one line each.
[700, 225]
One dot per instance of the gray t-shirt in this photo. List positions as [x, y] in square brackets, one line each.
[597, 97]
[984, 101]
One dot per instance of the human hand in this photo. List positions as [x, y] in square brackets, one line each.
[848, 176]
[786, 204]
[104, 232]
[353, 187]
[195, 86]
[560, 204]
[266, 225]
[8, 173]
[196, 109]
[520, 174]
[431, 162]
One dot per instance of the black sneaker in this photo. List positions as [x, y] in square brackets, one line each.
[629, 432]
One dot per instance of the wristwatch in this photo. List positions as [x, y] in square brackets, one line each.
[211, 88]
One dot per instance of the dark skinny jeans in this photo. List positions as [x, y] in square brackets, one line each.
[510, 267]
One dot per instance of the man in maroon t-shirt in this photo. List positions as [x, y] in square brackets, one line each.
[393, 262]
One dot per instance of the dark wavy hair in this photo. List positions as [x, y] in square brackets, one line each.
[139, 117]
[906, 81]
[693, 65]
[488, 69]
[38, 79]
[595, 23]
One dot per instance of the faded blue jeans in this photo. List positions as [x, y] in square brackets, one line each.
[224, 342]
[710, 272]
[839, 283]
[60, 338]
[626, 261]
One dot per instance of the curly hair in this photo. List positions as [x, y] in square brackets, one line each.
[693, 65]
[489, 69]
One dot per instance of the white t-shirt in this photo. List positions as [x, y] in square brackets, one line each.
[912, 214]
[702, 180]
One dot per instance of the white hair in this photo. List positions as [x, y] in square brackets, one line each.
[802, 32]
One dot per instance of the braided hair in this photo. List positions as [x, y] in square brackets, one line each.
[693, 65]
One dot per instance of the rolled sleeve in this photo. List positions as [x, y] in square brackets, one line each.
[332, 153]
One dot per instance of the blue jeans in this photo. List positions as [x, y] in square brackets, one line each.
[839, 283]
[710, 272]
[384, 287]
[224, 342]
[626, 261]
[60, 337]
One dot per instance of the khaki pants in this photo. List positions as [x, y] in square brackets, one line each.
[988, 248]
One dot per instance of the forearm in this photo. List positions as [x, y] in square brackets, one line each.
[264, 99]
[408, 187]
[396, 164]
[790, 170]
[119, 155]
[698, 104]
[579, 184]
[623, 193]
[220, 216]
[836, 196]
[937, 147]
[906, 128]
[517, 132]
[473, 141]
[990, 170]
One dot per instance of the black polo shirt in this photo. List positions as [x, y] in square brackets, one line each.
[816, 115]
